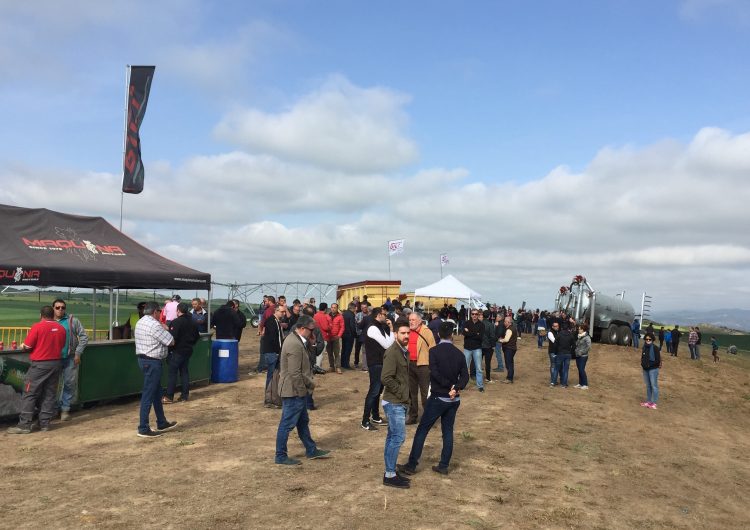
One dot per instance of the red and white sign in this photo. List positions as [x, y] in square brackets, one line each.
[396, 246]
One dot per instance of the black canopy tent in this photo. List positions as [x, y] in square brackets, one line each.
[40, 247]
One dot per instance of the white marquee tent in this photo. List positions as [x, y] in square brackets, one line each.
[450, 287]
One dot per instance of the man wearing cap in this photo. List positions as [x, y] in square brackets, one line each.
[295, 383]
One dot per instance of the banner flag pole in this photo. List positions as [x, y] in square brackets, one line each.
[122, 193]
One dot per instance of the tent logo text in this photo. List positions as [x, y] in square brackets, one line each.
[62, 244]
[20, 275]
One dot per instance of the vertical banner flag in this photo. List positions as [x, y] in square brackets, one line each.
[396, 246]
[444, 260]
[138, 89]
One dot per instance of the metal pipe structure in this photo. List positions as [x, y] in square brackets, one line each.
[111, 322]
[593, 310]
[93, 316]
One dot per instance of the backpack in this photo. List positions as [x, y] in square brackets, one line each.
[272, 392]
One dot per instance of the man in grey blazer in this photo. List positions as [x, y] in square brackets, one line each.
[295, 382]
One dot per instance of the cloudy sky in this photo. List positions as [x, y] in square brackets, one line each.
[289, 140]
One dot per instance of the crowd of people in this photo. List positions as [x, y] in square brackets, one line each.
[410, 356]
[412, 363]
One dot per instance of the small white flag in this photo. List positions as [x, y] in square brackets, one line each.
[396, 246]
[444, 259]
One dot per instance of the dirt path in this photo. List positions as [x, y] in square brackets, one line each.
[526, 456]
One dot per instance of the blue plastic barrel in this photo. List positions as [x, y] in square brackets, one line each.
[225, 362]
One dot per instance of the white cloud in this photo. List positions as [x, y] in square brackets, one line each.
[339, 126]
[221, 63]
[667, 218]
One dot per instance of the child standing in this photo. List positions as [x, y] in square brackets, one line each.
[715, 349]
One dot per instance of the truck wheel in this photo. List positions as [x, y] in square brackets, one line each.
[613, 334]
[626, 337]
[604, 336]
[254, 322]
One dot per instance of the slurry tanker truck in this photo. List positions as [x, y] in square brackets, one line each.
[609, 317]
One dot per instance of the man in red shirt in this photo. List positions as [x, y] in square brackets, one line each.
[334, 345]
[46, 340]
[323, 321]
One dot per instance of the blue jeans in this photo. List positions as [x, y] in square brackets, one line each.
[651, 378]
[552, 372]
[151, 394]
[562, 366]
[293, 414]
[396, 415]
[499, 356]
[70, 382]
[271, 359]
[477, 356]
[509, 355]
[539, 341]
[636, 339]
[347, 343]
[583, 379]
[373, 393]
[436, 408]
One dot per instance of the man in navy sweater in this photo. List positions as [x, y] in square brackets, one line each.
[448, 376]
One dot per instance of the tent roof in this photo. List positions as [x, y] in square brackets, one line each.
[448, 287]
[39, 247]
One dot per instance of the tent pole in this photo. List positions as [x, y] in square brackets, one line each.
[111, 323]
[209, 308]
[93, 316]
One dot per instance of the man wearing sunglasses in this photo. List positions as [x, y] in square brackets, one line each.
[473, 330]
[76, 340]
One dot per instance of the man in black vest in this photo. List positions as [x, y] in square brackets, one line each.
[378, 337]
[509, 342]
[448, 376]
[270, 344]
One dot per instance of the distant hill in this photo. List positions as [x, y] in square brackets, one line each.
[737, 319]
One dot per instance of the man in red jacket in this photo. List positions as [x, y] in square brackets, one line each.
[334, 345]
[323, 321]
[46, 340]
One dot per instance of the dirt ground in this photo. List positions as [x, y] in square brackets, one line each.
[526, 456]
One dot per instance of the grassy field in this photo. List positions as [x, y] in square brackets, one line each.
[22, 310]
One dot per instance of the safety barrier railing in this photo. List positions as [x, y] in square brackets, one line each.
[8, 334]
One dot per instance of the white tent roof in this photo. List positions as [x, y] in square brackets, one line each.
[448, 287]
